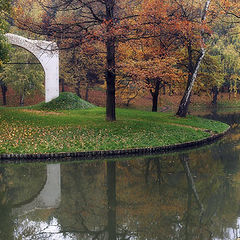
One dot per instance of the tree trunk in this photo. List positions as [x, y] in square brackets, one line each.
[170, 90]
[21, 100]
[183, 107]
[110, 71]
[155, 96]
[62, 83]
[4, 93]
[215, 95]
[77, 88]
[86, 93]
[164, 89]
[193, 68]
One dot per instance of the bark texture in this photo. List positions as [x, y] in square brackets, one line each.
[215, 95]
[4, 93]
[193, 68]
[155, 95]
[21, 100]
[110, 71]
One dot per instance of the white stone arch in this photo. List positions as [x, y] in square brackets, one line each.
[47, 54]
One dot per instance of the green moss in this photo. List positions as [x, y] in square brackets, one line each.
[65, 101]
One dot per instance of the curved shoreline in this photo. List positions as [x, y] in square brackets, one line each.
[38, 157]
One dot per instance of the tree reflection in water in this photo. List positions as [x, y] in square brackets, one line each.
[6, 221]
[191, 195]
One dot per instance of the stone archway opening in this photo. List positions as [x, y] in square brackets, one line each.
[47, 54]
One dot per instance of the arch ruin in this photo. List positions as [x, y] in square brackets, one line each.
[47, 54]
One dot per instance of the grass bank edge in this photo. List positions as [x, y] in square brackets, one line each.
[83, 130]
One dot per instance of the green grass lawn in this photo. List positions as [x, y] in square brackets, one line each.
[27, 130]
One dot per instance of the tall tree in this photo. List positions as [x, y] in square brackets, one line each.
[150, 57]
[193, 66]
[76, 22]
[183, 23]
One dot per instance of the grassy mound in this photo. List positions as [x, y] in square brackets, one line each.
[65, 101]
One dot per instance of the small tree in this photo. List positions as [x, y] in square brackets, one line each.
[147, 65]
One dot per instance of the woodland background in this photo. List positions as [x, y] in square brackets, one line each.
[144, 53]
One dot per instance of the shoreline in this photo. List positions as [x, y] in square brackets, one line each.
[91, 155]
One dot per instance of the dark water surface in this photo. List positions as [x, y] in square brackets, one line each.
[188, 195]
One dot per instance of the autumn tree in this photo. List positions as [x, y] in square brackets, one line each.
[224, 46]
[182, 24]
[230, 65]
[201, 14]
[5, 9]
[74, 23]
[179, 24]
[230, 8]
[146, 66]
[191, 13]
[210, 76]
[219, 69]
[81, 67]
[149, 60]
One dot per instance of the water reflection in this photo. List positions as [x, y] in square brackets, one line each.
[188, 195]
[6, 222]
[48, 197]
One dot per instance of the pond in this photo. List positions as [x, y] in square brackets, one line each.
[192, 194]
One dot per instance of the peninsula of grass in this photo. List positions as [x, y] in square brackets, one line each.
[34, 130]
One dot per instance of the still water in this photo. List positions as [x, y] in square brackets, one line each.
[193, 194]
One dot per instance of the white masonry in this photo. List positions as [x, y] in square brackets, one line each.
[47, 54]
